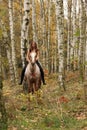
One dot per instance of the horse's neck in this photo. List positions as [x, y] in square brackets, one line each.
[32, 68]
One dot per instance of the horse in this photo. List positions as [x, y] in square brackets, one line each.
[32, 75]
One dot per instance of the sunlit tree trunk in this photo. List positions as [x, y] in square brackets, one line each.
[24, 30]
[13, 39]
[34, 22]
[60, 33]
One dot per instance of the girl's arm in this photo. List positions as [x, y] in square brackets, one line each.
[37, 58]
[27, 56]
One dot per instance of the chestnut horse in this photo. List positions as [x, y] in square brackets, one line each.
[32, 74]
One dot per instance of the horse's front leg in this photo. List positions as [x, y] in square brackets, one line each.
[37, 85]
[29, 86]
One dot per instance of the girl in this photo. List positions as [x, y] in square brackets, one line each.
[33, 48]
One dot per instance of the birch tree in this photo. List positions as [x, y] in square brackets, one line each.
[11, 20]
[25, 29]
[34, 22]
[60, 33]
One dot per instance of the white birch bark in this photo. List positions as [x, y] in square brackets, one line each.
[60, 32]
[10, 4]
[34, 22]
[24, 30]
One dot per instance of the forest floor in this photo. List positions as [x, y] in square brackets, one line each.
[51, 108]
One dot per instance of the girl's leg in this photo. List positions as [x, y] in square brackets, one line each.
[22, 74]
[42, 72]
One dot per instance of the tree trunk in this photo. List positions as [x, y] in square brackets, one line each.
[3, 114]
[60, 33]
[86, 44]
[44, 38]
[49, 36]
[74, 42]
[24, 31]
[21, 6]
[69, 34]
[8, 51]
[13, 39]
[34, 22]
[82, 43]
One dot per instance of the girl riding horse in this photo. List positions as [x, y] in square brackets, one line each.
[33, 48]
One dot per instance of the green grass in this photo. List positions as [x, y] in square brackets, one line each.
[3, 126]
[47, 122]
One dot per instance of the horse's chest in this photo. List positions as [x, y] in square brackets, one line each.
[33, 77]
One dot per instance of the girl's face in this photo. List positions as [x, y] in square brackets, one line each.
[33, 44]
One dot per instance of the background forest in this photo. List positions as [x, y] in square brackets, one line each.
[59, 27]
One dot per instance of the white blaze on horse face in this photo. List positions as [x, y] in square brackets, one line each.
[33, 56]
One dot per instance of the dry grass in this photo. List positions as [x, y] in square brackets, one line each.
[49, 109]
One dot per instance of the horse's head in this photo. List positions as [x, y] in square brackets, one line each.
[33, 58]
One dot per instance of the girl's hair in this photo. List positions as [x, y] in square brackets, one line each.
[31, 47]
